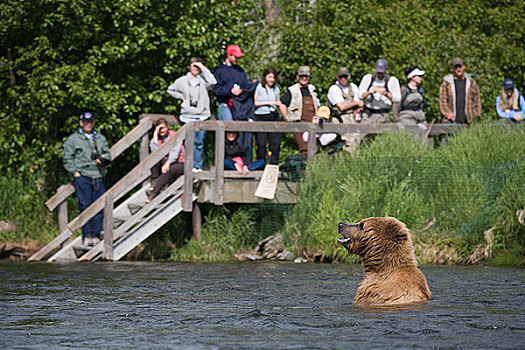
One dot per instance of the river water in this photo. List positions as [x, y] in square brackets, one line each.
[258, 305]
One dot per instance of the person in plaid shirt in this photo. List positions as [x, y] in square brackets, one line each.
[459, 98]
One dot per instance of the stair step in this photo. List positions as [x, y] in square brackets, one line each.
[135, 207]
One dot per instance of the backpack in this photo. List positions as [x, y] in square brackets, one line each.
[293, 167]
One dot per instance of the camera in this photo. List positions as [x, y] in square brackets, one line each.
[96, 155]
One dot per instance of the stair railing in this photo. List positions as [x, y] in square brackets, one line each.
[140, 173]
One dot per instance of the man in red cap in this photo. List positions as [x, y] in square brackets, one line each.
[231, 83]
[231, 80]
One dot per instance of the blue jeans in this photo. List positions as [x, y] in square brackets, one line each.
[224, 113]
[255, 165]
[89, 190]
[198, 148]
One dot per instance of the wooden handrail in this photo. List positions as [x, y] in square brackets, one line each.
[286, 127]
[138, 174]
[64, 191]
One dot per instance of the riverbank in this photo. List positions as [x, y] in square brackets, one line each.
[463, 202]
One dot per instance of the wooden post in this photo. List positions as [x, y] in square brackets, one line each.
[188, 168]
[62, 216]
[219, 164]
[197, 222]
[143, 152]
[144, 144]
[108, 227]
[311, 141]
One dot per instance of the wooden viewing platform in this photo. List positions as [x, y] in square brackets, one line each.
[132, 221]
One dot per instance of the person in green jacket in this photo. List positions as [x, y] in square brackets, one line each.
[86, 155]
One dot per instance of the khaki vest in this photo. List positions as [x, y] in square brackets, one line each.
[347, 97]
[295, 110]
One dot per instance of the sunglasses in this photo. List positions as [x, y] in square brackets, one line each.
[304, 76]
[343, 76]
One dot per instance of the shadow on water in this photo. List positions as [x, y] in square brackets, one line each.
[252, 306]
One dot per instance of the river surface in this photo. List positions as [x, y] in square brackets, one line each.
[257, 305]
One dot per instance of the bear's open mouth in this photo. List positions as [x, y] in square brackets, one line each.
[344, 241]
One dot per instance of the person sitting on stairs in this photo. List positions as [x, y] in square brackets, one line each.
[168, 168]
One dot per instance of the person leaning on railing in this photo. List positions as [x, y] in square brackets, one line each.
[86, 155]
[268, 103]
[301, 101]
[510, 105]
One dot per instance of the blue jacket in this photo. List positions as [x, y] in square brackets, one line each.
[510, 114]
[226, 77]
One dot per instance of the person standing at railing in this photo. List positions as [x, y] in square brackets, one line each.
[192, 89]
[235, 94]
[168, 168]
[459, 98]
[379, 92]
[301, 101]
[412, 99]
[343, 98]
[268, 103]
[86, 155]
[510, 105]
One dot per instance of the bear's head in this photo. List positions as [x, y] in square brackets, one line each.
[379, 241]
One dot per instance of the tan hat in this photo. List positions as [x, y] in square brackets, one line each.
[457, 62]
[342, 71]
[303, 70]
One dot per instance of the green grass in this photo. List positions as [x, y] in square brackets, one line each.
[474, 183]
[23, 201]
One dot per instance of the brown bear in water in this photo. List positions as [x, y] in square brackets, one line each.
[391, 273]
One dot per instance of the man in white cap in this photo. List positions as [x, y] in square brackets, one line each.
[379, 92]
[301, 101]
[343, 98]
[459, 98]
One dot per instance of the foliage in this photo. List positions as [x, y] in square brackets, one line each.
[224, 232]
[23, 203]
[468, 186]
[326, 34]
[117, 58]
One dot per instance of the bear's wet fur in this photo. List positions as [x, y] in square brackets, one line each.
[391, 274]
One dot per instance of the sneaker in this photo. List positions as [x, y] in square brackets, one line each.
[90, 242]
[152, 184]
[150, 198]
[195, 170]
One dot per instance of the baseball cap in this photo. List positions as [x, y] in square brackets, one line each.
[87, 116]
[508, 84]
[415, 72]
[342, 71]
[303, 70]
[234, 50]
[381, 65]
[457, 62]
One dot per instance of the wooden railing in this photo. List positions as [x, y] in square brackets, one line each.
[217, 174]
